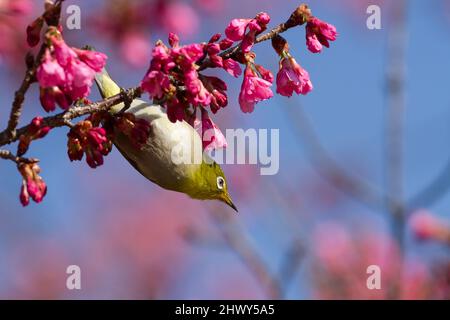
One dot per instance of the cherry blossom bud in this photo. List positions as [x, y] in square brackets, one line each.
[213, 48]
[212, 137]
[50, 73]
[236, 29]
[156, 83]
[90, 140]
[217, 88]
[35, 131]
[93, 59]
[253, 90]
[426, 226]
[34, 32]
[292, 77]
[24, 196]
[175, 110]
[174, 40]
[265, 74]
[66, 74]
[136, 129]
[280, 45]
[197, 93]
[263, 18]
[225, 43]
[232, 67]
[300, 16]
[215, 38]
[32, 185]
[318, 34]
[47, 99]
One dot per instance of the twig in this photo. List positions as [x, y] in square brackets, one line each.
[8, 155]
[63, 118]
[240, 244]
[16, 109]
[291, 263]
[325, 165]
[29, 78]
[395, 113]
[432, 192]
[395, 94]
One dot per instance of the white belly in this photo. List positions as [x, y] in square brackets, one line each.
[172, 152]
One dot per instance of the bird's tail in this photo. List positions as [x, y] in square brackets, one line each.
[107, 88]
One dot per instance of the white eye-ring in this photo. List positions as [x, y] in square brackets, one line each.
[220, 183]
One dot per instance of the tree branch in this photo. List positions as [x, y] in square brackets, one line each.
[8, 155]
[30, 77]
[240, 244]
[395, 118]
[435, 190]
[63, 118]
[326, 166]
[232, 52]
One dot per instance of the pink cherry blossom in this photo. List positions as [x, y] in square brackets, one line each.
[212, 6]
[263, 18]
[225, 43]
[212, 137]
[67, 74]
[36, 130]
[197, 93]
[292, 77]
[190, 53]
[249, 39]
[135, 48]
[217, 89]
[161, 59]
[95, 60]
[179, 17]
[265, 74]
[318, 34]
[236, 29]
[175, 110]
[213, 49]
[51, 96]
[49, 72]
[34, 31]
[63, 53]
[81, 79]
[253, 90]
[427, 226]
[32, 185]
[174, 40]
[156, 84]
[232, 67]
[84, 138]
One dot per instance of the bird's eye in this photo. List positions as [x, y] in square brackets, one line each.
[220, 183]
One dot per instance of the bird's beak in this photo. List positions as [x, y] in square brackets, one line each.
[227, 199]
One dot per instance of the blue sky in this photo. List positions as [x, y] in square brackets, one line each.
[347, 109]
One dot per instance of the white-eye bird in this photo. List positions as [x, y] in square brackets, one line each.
[202, 179]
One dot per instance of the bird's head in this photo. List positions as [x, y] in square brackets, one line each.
[209, 183]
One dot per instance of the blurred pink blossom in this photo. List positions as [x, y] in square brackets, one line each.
[14, 17]
[426, 226]
[178, 17]
[211, 6]
[136, 49]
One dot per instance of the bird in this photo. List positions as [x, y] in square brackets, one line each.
[201, 179]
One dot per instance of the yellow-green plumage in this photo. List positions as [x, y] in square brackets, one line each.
[200, 178]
